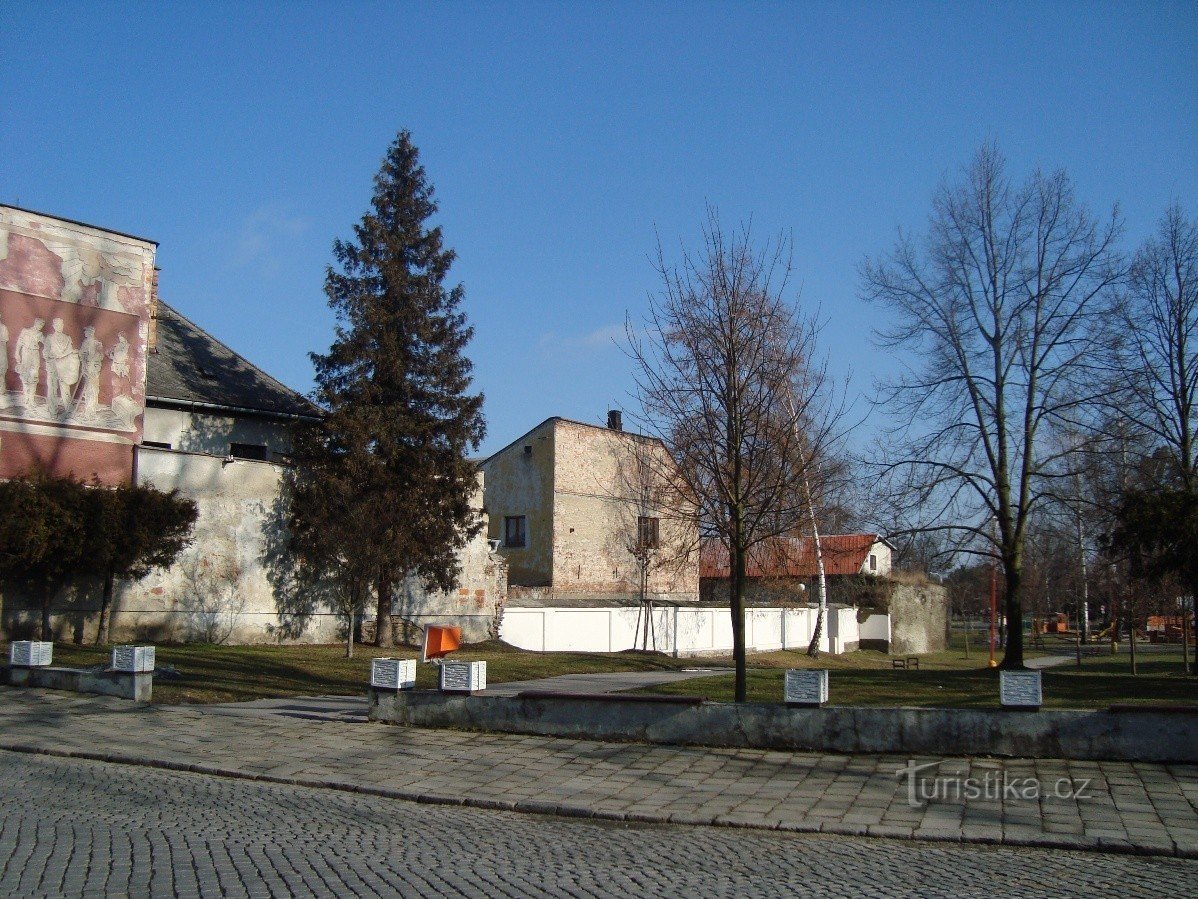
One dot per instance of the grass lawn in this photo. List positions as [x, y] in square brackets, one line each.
[949, 679]
[237, 673]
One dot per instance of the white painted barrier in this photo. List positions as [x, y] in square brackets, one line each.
[679, 630]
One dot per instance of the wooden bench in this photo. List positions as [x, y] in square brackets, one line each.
[905, 663]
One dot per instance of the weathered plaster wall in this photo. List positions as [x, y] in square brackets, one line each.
[521, 483]
[604, 480]
[206, 433]
[477, 604]
[225, 586]
[75, 305]
[918, 619]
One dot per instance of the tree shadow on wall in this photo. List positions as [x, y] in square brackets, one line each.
[298, 597]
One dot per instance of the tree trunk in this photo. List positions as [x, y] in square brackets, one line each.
[383, 638]
[47, 593]
[349, 637]
[1012, 659]
[102, 628]
[738, 624]
[1132, 637]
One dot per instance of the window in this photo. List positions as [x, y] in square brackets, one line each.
[156, 444]
[646, 533]
[873, 562]
[254, 451]
[515, 531]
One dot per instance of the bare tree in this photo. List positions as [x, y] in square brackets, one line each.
[655, 522]
[720, 352]
[1000, 305]
[1156, 355]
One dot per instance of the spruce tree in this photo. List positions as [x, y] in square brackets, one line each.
[385, 472]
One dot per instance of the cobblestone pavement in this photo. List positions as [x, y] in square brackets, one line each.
[1145, 808]
[72, 828]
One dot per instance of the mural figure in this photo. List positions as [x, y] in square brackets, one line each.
[29, 360]
[3, 366]
[119, 355]
[91, 355]
[62, 369]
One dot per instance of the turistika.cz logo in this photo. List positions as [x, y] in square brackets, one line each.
[923, 788]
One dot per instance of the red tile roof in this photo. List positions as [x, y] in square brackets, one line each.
[792, 556]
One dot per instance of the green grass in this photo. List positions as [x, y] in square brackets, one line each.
[948, 680]
[238, 673]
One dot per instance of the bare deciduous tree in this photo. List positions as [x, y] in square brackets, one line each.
[1156, 354]
[721, 351]
[1000, 305]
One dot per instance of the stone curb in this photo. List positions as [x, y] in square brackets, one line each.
[543, 807]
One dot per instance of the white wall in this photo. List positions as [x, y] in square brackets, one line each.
[683, 630]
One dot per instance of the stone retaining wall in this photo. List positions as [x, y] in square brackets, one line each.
[125, 685]
[1125, 735]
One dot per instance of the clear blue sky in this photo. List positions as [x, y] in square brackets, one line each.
[243, 137]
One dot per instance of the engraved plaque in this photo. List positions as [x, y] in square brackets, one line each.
[1020, 689]
[463, 677]
[806, 686]
[30, 653]
[135, 659]
[393, 674]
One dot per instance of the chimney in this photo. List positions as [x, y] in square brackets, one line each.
[615, 420]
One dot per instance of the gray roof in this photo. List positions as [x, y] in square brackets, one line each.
[191, 366]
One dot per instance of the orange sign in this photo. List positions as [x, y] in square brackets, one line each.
[440, 641]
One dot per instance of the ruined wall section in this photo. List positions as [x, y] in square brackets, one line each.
[477, 604]
[519, 481]
[918, 619]
[604, 481]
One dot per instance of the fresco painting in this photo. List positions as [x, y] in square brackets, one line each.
[75, 309]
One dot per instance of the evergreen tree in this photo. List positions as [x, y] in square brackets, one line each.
[386, 468]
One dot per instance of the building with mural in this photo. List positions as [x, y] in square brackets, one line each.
[105, 382]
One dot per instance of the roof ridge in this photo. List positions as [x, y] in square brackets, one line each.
[224, 346]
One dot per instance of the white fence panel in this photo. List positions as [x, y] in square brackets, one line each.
[685, 630]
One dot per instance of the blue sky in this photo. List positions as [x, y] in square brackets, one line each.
[561, 138]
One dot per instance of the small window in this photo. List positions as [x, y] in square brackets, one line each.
[515, 531]
[647, 533]
[254, 451]
[873, 562]
[155, 444]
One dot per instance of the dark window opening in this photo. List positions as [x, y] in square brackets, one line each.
[873, 562]
[156, 444]
[515, 531]
[254, 451]
[646, 533]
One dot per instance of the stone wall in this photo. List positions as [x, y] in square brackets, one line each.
[519, 481]
[604, 482]
[234, 583]
[918, 619]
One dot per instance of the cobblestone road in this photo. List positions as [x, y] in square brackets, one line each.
[80, 828]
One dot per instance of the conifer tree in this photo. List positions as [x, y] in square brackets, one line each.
[385, 472]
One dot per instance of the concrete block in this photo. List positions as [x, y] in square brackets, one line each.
[30, 653]
[135, 659]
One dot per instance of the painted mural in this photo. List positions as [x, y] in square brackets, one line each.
[75, 305]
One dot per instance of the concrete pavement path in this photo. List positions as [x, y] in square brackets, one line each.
[1116, 806]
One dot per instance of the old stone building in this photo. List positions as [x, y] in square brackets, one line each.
[162, 402]
[588, 515]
